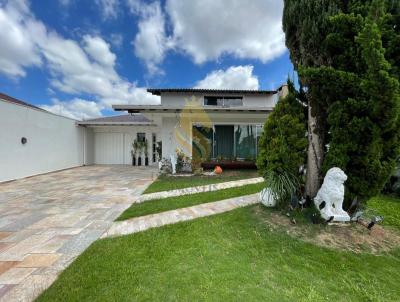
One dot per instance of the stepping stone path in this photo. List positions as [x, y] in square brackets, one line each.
[199, 189]
[142, 223]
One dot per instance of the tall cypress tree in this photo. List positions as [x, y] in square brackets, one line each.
[353, 91]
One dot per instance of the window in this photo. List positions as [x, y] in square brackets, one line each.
[141, 137]
[154, 146]
[245, 141]
[223, 101]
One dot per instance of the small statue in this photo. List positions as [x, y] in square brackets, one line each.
[329, 199]
[174, 161]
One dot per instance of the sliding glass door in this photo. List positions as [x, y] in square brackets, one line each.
[245, 142]
[226, 142]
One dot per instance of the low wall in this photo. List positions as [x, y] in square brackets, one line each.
[53, 142]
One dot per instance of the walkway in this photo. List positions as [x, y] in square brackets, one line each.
[46, 221]
[142, 223]
[200, 189]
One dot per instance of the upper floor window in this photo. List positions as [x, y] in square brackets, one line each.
[223, 101]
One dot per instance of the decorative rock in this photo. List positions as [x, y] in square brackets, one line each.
[267, 198]
[186, 167]
[329, 199]
[165, 166]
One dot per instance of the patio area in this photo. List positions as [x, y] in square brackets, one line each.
[46, 221]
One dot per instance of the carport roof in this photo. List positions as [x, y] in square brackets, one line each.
[126, 119]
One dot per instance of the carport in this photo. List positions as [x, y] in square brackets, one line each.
[109, 139]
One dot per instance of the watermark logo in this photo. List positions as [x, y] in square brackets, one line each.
[194, 130]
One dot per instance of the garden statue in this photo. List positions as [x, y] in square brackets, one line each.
[174, 161]
[329, 199]
[267, 198]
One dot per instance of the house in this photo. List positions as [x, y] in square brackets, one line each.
[208, 123]
[205, 123]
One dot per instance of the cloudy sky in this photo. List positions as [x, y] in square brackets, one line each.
[78, 57]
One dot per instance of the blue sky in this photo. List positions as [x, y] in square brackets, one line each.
[77, 58]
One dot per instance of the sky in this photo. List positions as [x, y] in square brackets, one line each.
[79, 57]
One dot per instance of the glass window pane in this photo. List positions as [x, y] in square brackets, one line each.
[245, 139]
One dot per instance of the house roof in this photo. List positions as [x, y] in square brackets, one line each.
[10, 99]
[126, 119]
[159, 91]
[166, 109]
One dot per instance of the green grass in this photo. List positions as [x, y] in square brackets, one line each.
[166, 204]
[165, 183]
[227, 257]
[387, 206]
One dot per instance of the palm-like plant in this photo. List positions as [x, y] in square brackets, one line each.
[283, 186]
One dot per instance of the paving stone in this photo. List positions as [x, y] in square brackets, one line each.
[32, 286]
[4, 288]
[65, 211]
[38, 260]
[6, 265]
[4, 235]
[15, 275]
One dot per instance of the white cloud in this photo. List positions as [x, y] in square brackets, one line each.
[116, 40]
[99, 50]
[208, 29]
[109, 8]
[235, 77]
[150, 43]
[76, 108]
[65, 2]
[17, 50]
[76, 68]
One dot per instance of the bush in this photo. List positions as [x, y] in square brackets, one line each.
[282, 146]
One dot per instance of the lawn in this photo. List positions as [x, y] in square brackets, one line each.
[387, 206]
[233, 256]
[165, 183]
[166, 204]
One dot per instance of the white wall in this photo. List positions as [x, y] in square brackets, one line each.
[53, 142]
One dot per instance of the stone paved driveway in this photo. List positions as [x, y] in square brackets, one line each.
[48, 220]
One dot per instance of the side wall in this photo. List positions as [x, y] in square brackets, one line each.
[53, 142]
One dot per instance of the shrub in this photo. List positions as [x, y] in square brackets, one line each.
[282, 146]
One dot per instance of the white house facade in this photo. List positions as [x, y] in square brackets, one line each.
[211, 124]
[226, 123]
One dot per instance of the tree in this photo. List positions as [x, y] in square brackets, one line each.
[283, 142]
[352, 87]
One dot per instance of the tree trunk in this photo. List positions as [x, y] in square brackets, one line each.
[315, 156]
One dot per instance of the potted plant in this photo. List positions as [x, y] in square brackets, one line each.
[146, 152]
[134, 152]
[140, 148]
[159, 150]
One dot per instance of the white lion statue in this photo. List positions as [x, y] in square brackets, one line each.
[329, 199]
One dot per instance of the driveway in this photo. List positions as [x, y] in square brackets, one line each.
[46, 221]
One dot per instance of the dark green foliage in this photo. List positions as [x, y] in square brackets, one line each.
[352, 84]
[283, 144]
